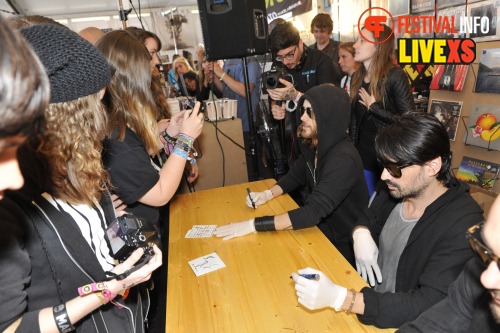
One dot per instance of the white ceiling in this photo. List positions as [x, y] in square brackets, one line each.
[72, 7]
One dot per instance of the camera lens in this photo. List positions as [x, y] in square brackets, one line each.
[271, 82]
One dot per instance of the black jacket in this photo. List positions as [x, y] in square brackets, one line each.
[332, 51]
[43, 263]
[432, 259]
[465, 309]
[336, 192]
[397, 99]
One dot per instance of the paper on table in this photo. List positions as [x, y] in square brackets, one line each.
[206, 264]
[201, 231]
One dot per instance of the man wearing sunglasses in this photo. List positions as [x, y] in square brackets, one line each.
[418, 220]
[473, 301]
[331, 177]
[308, 68]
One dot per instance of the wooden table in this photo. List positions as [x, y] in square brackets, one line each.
[254, 292]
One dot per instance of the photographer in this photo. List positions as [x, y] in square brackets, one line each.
[308, 68]
[53, 229]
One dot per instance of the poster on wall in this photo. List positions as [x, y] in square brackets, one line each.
[448, 113]
[485, 9]
[488, 74]
[453, 13]
[420, 6]
[449, 77]
[449, 3]
[278, 8]
[483, 127]
[179, 29]
[399, 7]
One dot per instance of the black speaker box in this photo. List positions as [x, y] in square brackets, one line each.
[233, 28]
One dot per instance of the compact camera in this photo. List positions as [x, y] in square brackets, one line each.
[127, 233]
[271, 78]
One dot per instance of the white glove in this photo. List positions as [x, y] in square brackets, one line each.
[318, 294]
[259, 198]
[237, 229]
[366, 253]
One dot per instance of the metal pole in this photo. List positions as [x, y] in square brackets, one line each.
[250, 117]
[123, 17]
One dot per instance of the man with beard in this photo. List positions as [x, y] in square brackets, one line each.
[469, 307]
[418, 219]
[329, 169]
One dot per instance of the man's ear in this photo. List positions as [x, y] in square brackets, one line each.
[434, 166]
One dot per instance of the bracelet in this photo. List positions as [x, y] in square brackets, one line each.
[62, 319]
[352, 302]
[264, 223]
[222, 76]
[168, 138]
[100, 289]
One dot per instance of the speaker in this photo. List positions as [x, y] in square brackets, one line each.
[233, 28]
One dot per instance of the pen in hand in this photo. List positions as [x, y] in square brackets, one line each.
[251, 200]
[310, 276]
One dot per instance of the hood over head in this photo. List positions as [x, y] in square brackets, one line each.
[332, 109]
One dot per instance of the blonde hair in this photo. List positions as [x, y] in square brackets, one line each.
[128, 97]
[184, 61]
[72, 146]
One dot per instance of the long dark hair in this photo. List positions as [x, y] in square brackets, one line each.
[415, 138]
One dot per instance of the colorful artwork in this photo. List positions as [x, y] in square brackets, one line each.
[448, 113]
[483, 127]
[478, 172]
[488, 74]
[449, 77]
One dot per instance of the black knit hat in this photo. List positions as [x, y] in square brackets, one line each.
[75, 67]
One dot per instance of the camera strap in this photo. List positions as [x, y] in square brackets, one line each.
[143, 261]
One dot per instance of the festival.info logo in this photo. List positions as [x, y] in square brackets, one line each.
[426, 50]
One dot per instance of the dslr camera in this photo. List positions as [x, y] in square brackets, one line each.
[128, 233]
[271, 78]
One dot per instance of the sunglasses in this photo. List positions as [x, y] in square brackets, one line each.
[394, 169]
[474, 236]
[306, 110]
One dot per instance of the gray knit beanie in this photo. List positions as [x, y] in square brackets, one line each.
[75, 67]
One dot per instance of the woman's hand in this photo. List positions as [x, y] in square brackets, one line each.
[192, 123]
[139, 276]
[174, 126]
[366, 99]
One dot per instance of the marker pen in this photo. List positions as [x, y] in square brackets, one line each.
[310, 276]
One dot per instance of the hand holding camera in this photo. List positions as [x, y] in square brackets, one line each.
[192, 123]
[138, 276]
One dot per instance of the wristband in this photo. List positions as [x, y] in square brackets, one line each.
[91, 288]
[62, 319]
[264, 223]
[352, 302]
[168, 138]
[222, 76]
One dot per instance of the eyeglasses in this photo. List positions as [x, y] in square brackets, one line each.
[288, 56]
[307, 110]
[394, 169]
[474, 236]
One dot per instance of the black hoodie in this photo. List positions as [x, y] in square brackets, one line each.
[340, 194]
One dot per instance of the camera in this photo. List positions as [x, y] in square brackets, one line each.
[271, 78]
[128, 233]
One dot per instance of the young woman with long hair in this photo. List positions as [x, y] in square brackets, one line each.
[380, 91]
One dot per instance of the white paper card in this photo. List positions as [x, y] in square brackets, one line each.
[206, 264]
[201, 231]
